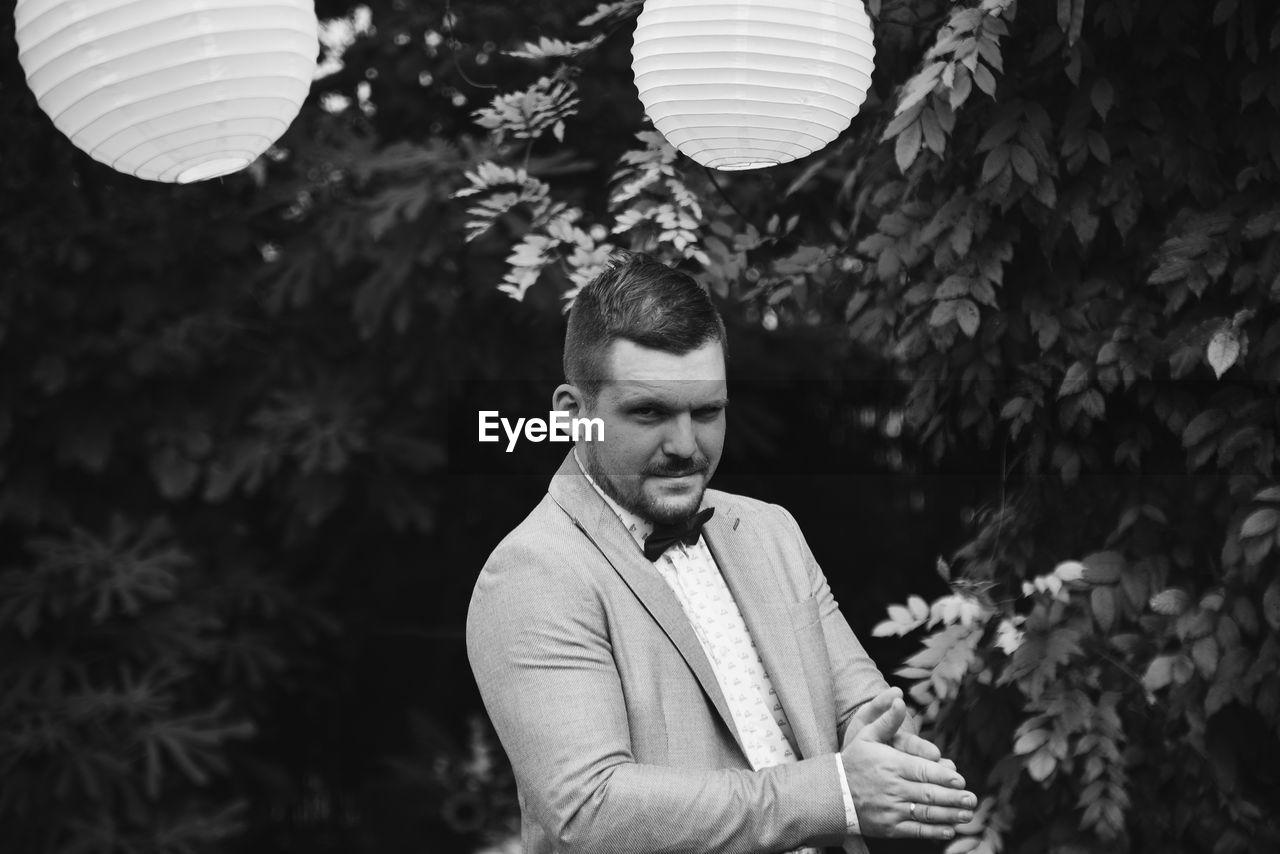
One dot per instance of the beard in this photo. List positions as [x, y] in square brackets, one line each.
[630, 493]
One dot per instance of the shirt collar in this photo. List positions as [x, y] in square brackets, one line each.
[639, 526]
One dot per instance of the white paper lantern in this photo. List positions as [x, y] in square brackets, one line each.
[744, 84]
[169, 90]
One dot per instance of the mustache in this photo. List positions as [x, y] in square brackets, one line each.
[680, 468]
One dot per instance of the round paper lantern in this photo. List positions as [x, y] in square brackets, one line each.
[169, 90]
[743, 84]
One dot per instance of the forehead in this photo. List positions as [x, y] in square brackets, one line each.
[635, 371]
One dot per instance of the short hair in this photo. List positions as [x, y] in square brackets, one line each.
[640, 299]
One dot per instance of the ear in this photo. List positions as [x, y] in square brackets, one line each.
[568, 398]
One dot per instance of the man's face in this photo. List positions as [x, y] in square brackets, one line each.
[664, 423]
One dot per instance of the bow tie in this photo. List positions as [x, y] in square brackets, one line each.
[666, 536]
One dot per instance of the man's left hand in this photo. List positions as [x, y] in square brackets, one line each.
[904, 741]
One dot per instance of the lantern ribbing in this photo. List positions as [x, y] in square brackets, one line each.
[169, 90]
[743, 84]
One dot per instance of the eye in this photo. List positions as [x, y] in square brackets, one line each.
[708, 413]
[645, 412]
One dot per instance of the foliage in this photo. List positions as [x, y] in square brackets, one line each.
[221, 459]
[127, 677]
[1059, 221]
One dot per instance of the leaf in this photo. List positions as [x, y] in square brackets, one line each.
[1171, 602]
[965, 845]
[918, 88]
[884, 629]
[1077, 21]
[1246, 617]
[995, 163]
[1271, 493]
[1030, 741]
[953, 287]
[1064, 14]
[1103, 567]
[1014, 408]
[985, 79]
[1223, 350]
[1047, 328]
[1159, 673]
[934, 136]
[1271, 604]
[618, 10]
[1204, 653]
[175, 475]
[901, 122]
[1070, 571]
[1220, 693]
[1084, 222]
[1261, 523]
[1194, 623]
[943, 313]
[1103, 96]
[1171, 269]
[1034, 664]
[1023, 164]
[1099, 148]
[1076, 380]
[1093, 403]
[527, 114]
[967, 316]
[1224, 11]
[1102, 601]
[1041, 765]
[1202, 426]
[907, 146]
[961, 90]
[918, 607]
[548, 48]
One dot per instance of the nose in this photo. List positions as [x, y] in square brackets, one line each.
[680, 440]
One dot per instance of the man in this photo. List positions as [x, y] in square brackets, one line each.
[664, 663]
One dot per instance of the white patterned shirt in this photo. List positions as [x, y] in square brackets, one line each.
[758, 716]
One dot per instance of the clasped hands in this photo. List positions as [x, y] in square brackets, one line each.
[901, 785]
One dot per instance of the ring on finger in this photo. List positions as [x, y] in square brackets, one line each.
[913, 812]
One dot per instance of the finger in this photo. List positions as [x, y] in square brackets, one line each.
[883, 728]
[875, 707]
[919, 830]
[934, 814]
[880, 703]
[948, 764]
[924, 771]
[940, 797]
[917, 746]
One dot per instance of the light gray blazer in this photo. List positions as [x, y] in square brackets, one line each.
[608, 709]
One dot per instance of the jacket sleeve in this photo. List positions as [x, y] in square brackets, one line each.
[855, 676]
[539, 644]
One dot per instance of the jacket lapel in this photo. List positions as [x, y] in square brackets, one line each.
[578, 498]
[763, 603]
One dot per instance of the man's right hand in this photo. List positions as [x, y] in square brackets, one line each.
[898, 794]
